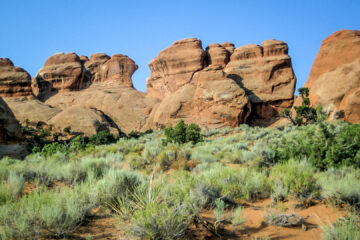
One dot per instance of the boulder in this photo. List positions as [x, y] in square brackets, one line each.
[334, 80]
[174, 67]
[14, 81]
[266, 74]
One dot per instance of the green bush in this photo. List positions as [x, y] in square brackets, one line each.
[325, 145]
[67, 129]
[102, 137]
[50, 149]
[183, 133]
[304, 113]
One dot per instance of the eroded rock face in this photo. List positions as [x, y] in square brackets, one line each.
[215, 88]
[174, 67]
[266, 74]
[116, 70]
[102, 106]
[95, 65]
[14, 81]
[217, 55]
[119, 69]
[211, 101]
[61, 72]
[260, 76]
[10, 129]
[334, 80]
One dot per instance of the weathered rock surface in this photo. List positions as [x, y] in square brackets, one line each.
[33, 111]
[95, 65]
[10, 129]
[118, 69]
[174, 67]
[334, 80]
[217, 55]
[212, 101]
[14, 81]
[69, 72]
[266, 74]
[120, 108]
[61, 72]
[217, 87]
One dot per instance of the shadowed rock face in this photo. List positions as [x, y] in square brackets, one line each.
[10, 130]
[334, 80]
[14, 81]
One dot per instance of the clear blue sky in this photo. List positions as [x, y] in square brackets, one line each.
[33, 30]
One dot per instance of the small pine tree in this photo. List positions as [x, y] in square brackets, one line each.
[304, 113]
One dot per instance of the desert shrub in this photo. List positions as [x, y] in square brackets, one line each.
[182, 133]
[234, 184]
[159, 220]
[117, 184]
[136, 161]
[12, 188]
[210, 132]
[341, 185]
[78, 144]
[102, 137]
[345, 228]
[50, 149]
[325, 145]
[297, 177]
[6, 164]
[55, 213]
[44, 133]
[97, 166]
[283, 219]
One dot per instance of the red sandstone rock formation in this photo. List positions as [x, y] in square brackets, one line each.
[61, 72]
[217, 55]
[263, 74]
[266, 74]
[334, 80]
[214, 88]
[14, 81]
[118, 69]
[174, 67]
